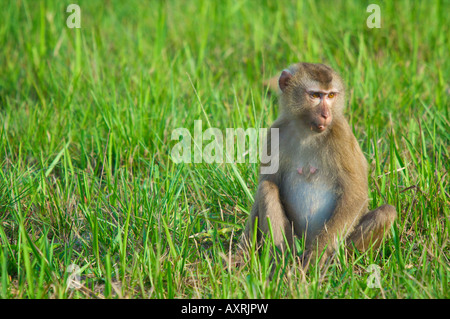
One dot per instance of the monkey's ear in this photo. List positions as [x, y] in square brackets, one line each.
[284, 79]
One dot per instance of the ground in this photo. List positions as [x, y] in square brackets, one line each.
[93, 206]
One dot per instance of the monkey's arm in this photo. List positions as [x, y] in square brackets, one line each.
[269, 209]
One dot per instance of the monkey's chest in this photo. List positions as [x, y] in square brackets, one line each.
[308, 202]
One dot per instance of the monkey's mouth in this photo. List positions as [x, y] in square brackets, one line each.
[318, 127]
[321, 128]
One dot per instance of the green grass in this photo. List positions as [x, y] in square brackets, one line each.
[86, 119]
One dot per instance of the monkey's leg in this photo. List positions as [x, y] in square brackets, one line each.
[372, 227]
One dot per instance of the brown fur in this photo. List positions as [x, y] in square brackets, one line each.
[341, 176]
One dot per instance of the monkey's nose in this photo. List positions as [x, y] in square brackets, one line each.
[324, 111]
[325, 115]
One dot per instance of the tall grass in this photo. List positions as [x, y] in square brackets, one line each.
[86, 176]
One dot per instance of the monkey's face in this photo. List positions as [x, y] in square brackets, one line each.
[317, 108]
[313, 93]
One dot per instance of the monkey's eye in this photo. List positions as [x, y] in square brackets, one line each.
[315, 95]
[331, 95]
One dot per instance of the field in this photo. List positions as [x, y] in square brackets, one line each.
[92, 204]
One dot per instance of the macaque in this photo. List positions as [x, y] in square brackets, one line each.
[320, 191]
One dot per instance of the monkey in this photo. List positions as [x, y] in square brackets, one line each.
[320, 190]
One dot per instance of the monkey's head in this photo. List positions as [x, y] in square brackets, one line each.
[313, 93]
